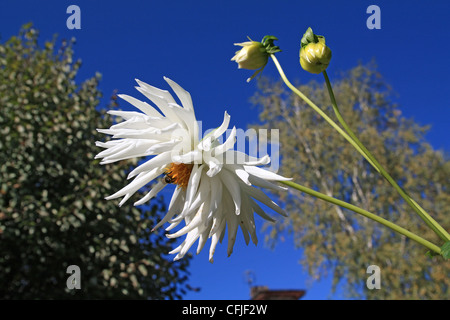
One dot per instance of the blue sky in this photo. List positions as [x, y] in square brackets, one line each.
[191, 42]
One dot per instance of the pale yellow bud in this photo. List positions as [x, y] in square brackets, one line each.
[255, 55]
[252, 56]
[315, 55]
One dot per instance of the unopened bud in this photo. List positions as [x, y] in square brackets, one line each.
[315, 55]
[254, 55]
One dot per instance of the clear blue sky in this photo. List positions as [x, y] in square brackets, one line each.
[191, 42]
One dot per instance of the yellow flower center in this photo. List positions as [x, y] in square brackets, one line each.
[178, 174]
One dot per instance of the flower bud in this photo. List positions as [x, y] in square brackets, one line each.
[254, 55]
[315, 55]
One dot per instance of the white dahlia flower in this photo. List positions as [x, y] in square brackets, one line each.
[216, 185]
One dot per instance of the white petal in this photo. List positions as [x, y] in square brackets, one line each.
[175, 207]
[152, 193]
[233, 188]
[263, 198]
[161, 103]
[150, 133]
[218, 220]
[187, 243]
[127, 150]
[199, 219]
[232, 225]
[201, 198]
[183, 95]
[238, 157]
[247, 220]
[264, 174]
[202, 239]
[223, 127]
[156, 91]
[141, 121]
[126, 115]
[193, 184]
[213, 163]
[228, 144]
[107, 144]
[189, 120]
[240, 172]
[216, 194]
[134, 123]
[162, 159]
[143, 106]
[190, 157]
[265, 184]
[205, 144]
[162, 147]
[137, 183]
[260, 211]
[257, 162]
[215, 239]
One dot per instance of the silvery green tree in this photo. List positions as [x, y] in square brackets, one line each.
[337, 242]
[52, 208]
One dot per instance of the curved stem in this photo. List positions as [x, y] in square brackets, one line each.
[354, 141]
[365, 213]
[318, 110]
[438, 229]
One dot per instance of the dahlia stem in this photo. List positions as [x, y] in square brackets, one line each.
[352, 139]
[365, 213]
[436, 227]
[318, 110]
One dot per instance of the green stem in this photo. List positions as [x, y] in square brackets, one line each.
[317, 109]
[438, 229]
[364, 152]
[365, 213]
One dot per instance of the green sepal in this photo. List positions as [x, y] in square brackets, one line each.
[267, 42]
[445, 250]
[310, 37]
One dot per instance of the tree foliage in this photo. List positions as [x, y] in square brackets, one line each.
[339, 242]
[52, 208]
